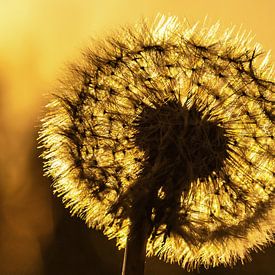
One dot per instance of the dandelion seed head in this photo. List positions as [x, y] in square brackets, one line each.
[175, 119]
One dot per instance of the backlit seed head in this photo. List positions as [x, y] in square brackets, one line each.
[179, 121]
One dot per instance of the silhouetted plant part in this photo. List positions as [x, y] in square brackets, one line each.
[163, 138]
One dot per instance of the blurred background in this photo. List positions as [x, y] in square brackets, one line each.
[37, 39]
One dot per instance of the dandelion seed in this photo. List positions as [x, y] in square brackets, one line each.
[166, 133]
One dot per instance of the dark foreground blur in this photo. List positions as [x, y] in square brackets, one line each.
[38, 236]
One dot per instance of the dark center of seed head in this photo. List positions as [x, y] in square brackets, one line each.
[180, 144]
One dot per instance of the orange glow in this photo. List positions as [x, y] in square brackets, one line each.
[36, 39]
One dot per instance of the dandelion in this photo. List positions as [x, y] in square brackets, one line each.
[163, 138]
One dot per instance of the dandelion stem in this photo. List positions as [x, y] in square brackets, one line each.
[135, 251]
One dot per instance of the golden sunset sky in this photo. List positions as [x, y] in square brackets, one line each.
[37, 39]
